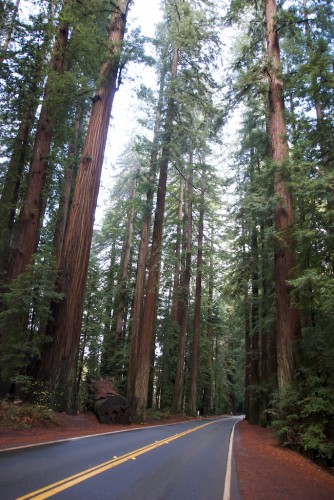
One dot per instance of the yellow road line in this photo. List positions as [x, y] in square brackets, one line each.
[70, 481]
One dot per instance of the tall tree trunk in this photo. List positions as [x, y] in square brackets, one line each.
[122, 285]
[59, 360]
[143, 362]
[18, 159]
[176, 278]
[208, 382]
[69, 182]
[143, 251]
[169, 355]
[254, 403]
[184, 299]
[12, 181]
[107, 346]
[30, 216]
[287, 316]
[192, 404]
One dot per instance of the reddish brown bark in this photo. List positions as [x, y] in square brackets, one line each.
[107, 346]
[143, 253]
[254, 402]
[192, 403]
[125, 268]
[208, 383]
[287, 316]
[31, 213]
[145, 347]
[176, 279]
[59, 361]
[69, 181]
[10, 192]
[183, 301]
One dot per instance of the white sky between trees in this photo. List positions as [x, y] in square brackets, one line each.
[144, 14]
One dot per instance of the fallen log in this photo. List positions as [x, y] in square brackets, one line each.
[113, 409]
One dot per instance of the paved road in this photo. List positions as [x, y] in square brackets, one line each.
[174, 462]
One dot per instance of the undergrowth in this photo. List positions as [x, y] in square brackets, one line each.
[18, 415]
[304, 421]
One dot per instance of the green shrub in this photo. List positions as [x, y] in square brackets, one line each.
[303, 419]
[20, 415]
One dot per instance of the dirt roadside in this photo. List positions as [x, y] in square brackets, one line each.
[265, 471]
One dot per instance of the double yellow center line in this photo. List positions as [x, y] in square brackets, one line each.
[68, 482]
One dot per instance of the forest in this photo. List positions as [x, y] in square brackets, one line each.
[208, 286]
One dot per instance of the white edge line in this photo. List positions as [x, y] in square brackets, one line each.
[228, 476]
[14, 448]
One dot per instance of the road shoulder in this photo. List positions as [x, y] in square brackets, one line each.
[266, 471]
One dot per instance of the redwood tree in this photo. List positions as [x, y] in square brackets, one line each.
[59, 359]
[183, 299]
[144, 355]
[287, 316]
[192, 403]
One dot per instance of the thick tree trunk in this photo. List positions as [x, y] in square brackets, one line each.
[143, 252]
[30, 216]
[107, 346]
[10, 192]
[183, 300]
[169, 354]
[69, 182]
[192, 403]
[208, 382]
[176, 277]
[59, 360]
[254, 403]
[143, 363]
[20, 151]
[287, 316]
[122, 285]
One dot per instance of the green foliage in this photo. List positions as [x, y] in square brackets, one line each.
[27, 309]
[17, 415]
[156, 414]
[303, 419]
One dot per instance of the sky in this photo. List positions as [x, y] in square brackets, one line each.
[145, 14]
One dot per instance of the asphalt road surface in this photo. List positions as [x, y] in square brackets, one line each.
[172, 462]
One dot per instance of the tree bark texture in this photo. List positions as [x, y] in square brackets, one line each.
[30, 216]
[287, 316]
[125, 268]
[207, 406]
[69, 182]
[20, 150]
[146, 336]
[254, 403]
[183, 300]
[192, 404]
[143, 251]
[107, 347]
[59, 362]
[176, 277]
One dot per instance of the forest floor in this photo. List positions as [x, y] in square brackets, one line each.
[265, 471]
